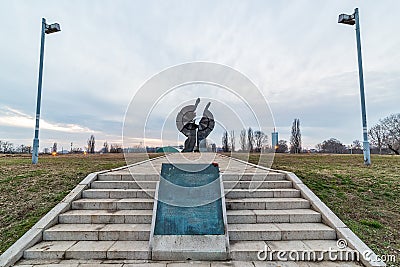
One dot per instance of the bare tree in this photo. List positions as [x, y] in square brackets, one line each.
[250, 140]
[242, 140]
[333, 146]
[356, 147]
[391, 126]
[105, 147]
[24, 149]
[7, 147]
[54, 148]
[377, 136]
[260, 139]
[319, 147]
[90, 144]
[282, 147]
[357, 144]
[295, 139]
[225, 142]
[232, 141]
[213, 147]
[76, 150]
[386, 134]
[116, 148]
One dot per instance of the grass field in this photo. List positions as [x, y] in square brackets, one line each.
[365, 198]
[27, 191]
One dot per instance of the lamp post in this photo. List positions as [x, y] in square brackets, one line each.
[351, 20]
[46, 29]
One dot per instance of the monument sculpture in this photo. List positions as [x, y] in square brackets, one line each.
[190, 220]
[195, 133]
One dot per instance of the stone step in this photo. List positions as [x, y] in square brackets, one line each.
[126, 176]
[231, 204]
[253, 185]
[266, 203]
[113, 204]
[273, 216]
[270, 176]
[123, 185]
[262, 193]
[149, 193]
[144, 216]
[93, 250]
[101, 232]
[227, 184]
[106, 216]
[305, 250]
[280, 231]
[118, 193]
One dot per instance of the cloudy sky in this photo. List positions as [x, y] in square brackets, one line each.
[303, 61]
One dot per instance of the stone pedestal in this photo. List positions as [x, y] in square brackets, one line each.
[189, 216]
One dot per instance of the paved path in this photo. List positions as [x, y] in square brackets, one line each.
[136, 263]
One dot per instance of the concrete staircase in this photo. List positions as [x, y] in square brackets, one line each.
[112, 219]
[273, 215]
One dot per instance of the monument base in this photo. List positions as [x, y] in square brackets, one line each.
[189, 215]
[189, 247]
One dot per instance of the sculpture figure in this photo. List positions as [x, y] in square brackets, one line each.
[186, 124]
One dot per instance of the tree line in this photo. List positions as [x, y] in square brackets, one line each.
[249, 140]
[257, 141]
[112, 148]
[7, 147]
[384, 139]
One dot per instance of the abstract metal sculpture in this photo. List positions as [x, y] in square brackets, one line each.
[186, 124]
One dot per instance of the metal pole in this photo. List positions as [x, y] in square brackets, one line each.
[35, 152]
[367, 156]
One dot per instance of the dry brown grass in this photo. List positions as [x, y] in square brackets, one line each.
[27, 191]
[367, 199]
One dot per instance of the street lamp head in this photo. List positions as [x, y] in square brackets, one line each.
[346, 19]
[55, 27]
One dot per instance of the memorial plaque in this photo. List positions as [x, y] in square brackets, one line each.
[189, 218]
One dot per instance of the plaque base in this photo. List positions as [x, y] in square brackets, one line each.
[189, 247]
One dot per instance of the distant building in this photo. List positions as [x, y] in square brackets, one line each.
[275, 139]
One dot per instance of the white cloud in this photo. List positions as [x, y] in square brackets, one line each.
[15, 118]
[304, 62]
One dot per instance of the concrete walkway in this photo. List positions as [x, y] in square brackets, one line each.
[136, 263]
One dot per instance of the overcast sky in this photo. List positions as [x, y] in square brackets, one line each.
[304, 62]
